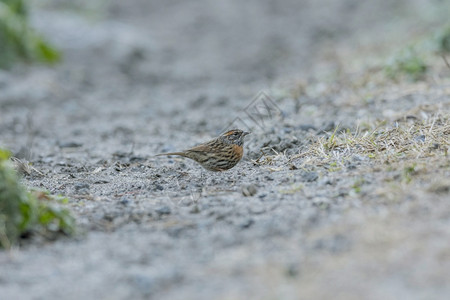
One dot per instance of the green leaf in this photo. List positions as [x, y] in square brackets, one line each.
[23, 211]
[18, 41]
[4, 154]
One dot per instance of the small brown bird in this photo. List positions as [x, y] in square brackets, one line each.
[219, 154]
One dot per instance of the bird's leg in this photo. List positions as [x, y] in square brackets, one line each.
[202, 182]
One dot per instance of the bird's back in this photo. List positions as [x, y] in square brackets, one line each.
[216, 155]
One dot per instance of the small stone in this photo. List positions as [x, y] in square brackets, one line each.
[330, 126]
[142, 283]
[434, 146]
[287, 130]
[137, 158]
[351, 166]
[69, 145]
[306, 127]
[124, 201]
[249, 190]
[292, 270]
[101, 181]
[81, 185]
[246, 223]
[257, 210]
[47, 160]
[440, 187]
[310, 176]
[358, 158]
[163, 210]
[420, 138]
[284, 145]
[325, 181]
[121, 154]
[195, 209]
[199, 102]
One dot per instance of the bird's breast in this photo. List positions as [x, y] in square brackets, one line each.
[238, 150]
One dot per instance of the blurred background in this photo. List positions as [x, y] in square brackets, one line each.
[90, 90]
[117, 67]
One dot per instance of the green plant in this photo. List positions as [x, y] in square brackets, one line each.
[23, 212]
[407, 63]
[409, 172]
[442, 40]
[359, 182]
[19, 42]
[17, 6]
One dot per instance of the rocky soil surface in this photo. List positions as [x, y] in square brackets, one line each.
[343, 192]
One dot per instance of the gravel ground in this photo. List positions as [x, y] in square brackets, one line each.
[145, 77]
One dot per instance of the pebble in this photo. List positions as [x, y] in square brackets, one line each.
[292, 270]
[256, 210]
[82, 188]
[124, 201]
[357, 158]
[69, 144]
[325, 181]
[246, 223]
[420, 138]
[249, 190]
[330, 126]
[310, 176]
[307, 127]
[163, 210]
[144, 284]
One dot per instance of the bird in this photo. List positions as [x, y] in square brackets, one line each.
[219, 154]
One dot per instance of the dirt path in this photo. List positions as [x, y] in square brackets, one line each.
[306, 218]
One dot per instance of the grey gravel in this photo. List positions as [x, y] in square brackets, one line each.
[145, 77]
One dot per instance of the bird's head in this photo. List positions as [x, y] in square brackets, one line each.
[234, 136]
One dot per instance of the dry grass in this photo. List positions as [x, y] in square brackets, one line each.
[407, 140]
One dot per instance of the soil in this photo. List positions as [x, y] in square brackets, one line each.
[146, 77]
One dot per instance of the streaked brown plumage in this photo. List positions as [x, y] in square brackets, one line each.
[219, 154]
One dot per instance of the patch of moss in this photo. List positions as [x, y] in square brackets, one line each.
[23, 213]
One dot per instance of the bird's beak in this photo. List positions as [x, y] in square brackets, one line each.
[245, 133]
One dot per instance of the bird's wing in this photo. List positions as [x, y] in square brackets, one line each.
[205, 148]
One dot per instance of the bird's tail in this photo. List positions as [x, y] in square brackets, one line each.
[171, 153]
